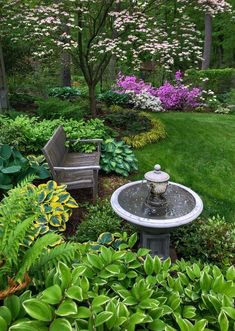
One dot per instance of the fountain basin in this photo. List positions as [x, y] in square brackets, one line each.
[184, 206]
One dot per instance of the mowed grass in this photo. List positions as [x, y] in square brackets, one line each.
[199, 152]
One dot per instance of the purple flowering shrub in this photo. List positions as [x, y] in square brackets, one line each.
[172, 96]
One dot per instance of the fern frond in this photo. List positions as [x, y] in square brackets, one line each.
[35, 251]
[65, 252]
[16, 237]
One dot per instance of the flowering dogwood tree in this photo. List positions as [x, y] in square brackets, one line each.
[209, 8]
[89, 36]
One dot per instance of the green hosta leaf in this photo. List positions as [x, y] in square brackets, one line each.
[113, 269]
[39, 310]
[95, 261]
[65, 275]
[100, 300]
[60, 324]
[66, 308]
[55, 220]
[3, 324]
[42, 196]
[200, 325]
[83, 312]
[51, 185]
[157, 325]
[75, 292]
[133, 239]
[63, 197]
[223, 321]
[205, 281]
[189, 312]
[148, 265]
[52, 295]
[230, 274]
[136, 318]
[166, 264]
[28, 326]
[11, 170]
[182, 324]
[230, 311]
[157, 264]
[13, 304]
[103, 317]
[143, 251]
[5, 313]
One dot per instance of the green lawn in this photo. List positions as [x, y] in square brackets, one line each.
[199, 152]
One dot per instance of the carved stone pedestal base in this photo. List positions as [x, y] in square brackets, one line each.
[158, 243]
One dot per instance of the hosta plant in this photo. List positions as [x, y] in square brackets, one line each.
[56, 206]
[14, 167]
[65, 92]
[124, 290]
[117, 157]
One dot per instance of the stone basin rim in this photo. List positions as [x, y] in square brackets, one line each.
[156, 223]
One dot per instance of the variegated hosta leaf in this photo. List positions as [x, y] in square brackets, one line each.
[56, 220]
[105, 238]
[44, 229]
[42, 196]
[63, 197]
[51, 185]
[71, 203]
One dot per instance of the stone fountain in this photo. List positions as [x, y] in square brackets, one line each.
[156, 206]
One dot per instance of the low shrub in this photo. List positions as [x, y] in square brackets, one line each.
[100, 218]
[154, 134]
[30, 134]
[124, 290]
[218, 80]
[117, 157]
[114, 98]
[53, 108]
[128, 122]
[211, 240]
[19, 100]
[230, 98]
[14, 167]
[64, 93]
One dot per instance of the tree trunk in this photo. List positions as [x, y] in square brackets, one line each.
[207, 41]
[65, 69]
[92, 100]
[4, 104]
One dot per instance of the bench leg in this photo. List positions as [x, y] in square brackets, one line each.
[95, 186]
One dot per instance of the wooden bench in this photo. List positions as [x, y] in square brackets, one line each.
[76, 170]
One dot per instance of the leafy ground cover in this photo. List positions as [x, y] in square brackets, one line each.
[199, 152]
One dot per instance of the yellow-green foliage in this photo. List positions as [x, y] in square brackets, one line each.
[140, 140]
[56, 206]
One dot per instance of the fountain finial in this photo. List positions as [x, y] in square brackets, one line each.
[157, 167]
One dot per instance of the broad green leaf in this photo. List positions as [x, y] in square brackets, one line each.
[148, 265]
[5, 313]
[3, 324]
[83, 312]
[230, 274]
[205, 281]
[100, 300]
[230, 311]
[66, 308]
[166, 264]
[189, 311]
[103, 317]
[28, 326]
[65, 275]
[39, 310]
[11, 170]
[60, 324]
[133, 239]
[223, 321]
[74, 292]
[200, 325]
[95, 261]
[157, 265]
[143, 251]
[13, 304]
[113, 269]
[105, 238]
[157, 325]
[52, 295]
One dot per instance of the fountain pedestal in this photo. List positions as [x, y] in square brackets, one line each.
[159, 244]
[183, 206]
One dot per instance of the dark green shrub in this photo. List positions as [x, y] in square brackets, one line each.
[100, 218]
[126, 290]
[14, 167]
[64, 93]
[114, 98]
[219, 80]
[117, 157]
[128, 122]
[19, 100]
[211, 240]
[54, 108]
[230, 99]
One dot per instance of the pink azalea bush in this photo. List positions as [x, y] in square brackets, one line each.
[171, 96]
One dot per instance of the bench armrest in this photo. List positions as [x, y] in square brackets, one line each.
[76, 168]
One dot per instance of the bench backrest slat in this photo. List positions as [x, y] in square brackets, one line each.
[55, 150]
